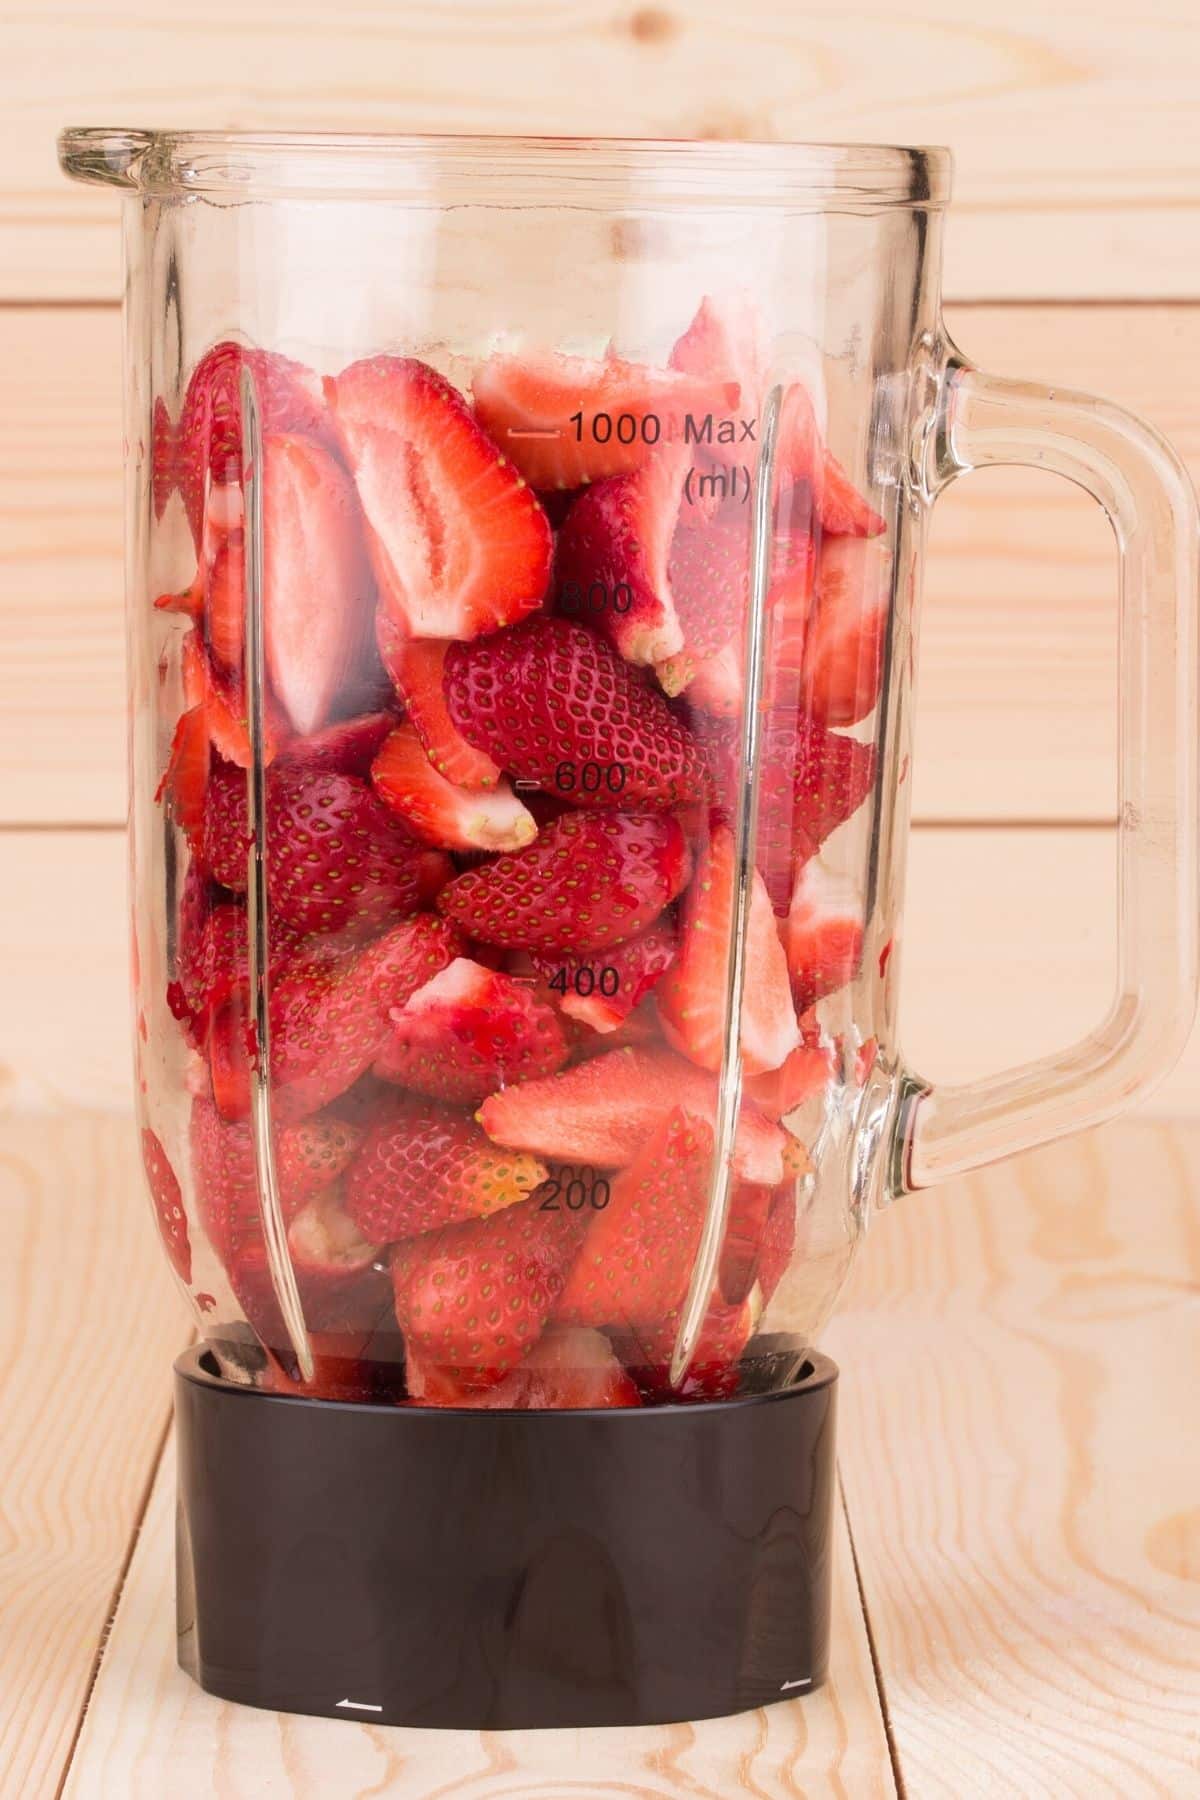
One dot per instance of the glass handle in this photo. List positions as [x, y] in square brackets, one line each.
[977, 420]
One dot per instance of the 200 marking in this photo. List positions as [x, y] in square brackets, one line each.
[584, 1188]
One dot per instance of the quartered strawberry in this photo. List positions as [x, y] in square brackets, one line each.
[591, 880]
[602, 1111]
[843, 655]
[438, 812]
[823, 934]
[473, 1299]
[470, 1031]
[528, 405]
[208, 444]
[458, 543]
[556, 705]
[804, 1073]
[338, 859]
[167, 1196]
[615, 546]
[184, 783]
[309, 1157]
[415, 666]
[636, 1258]
[602, 991]
[318, 592]
[424, 1166]
[567, 1369]
[692, 995]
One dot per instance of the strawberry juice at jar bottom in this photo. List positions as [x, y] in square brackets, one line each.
[524, 563]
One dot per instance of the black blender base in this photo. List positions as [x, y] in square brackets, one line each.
[504, 1569]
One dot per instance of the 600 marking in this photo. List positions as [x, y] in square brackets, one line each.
[589, 777]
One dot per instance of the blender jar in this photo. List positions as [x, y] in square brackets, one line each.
[524, 557]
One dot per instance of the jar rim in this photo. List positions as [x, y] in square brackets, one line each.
[588, 171]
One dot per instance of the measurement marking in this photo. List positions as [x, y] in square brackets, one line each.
[539, 431]
[523, 786]
[802, 1682]
[360, 1705]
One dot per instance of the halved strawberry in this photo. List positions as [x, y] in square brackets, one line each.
[309, 1157]
[337, 857]
[804, 1073]
[823, 934]
[636, 1258]
[602, 991]
[567, 420]
[473, 1299]
[184, 783]
[415, 666]
[601, 1112]
[590, 880]
[167, 1196]
[843, 656]
[424, 1166]
[692, 995]
[556, 705]
[470, 1031]
[438, 812]
[459, 544]
[318, 593]
[567, 1369]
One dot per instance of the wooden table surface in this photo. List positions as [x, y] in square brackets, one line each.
[1017, 1597]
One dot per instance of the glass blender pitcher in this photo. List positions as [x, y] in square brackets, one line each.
[524, 550]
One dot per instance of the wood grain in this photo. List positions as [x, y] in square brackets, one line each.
[149, 1730]
[89, 1322]
[1019, 1357]
[1007, 952]
[1075, 131]
[1017, 679]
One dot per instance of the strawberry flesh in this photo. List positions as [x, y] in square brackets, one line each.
[843, 655]
[438, 812]
[416, 668]
[823, 934]
[603, 991]
[470, 1031]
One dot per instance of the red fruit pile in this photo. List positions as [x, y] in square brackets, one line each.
[496, 827]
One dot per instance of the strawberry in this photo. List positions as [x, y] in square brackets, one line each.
[615, 546]
[556, 705]
[337, 858]
[347, 748]
[438, 812]
[640, 1029]
[778, 1243]
[726, 337]
[458, 543]
[823, 934]
[692, 995]
[164, 470]
[472, 1299]
[566, 1370]
[220, 694]
[601, 1112]
[342, 1287]
[184, 783]
[424, 1166]
[213, 960]
[318, 593]
[415, 666]
[167, 1196]
[804, 1073]
[636, 1258]
[208, 441]
[713, 1372]
[215, 600]
[527, 404]
[760, 1235]
[309, 1157]
[602, 992]
[843, 656]
[838, 506]
[590, 880]
[470, 1031]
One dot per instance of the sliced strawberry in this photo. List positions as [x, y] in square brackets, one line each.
[636, 1258]
[823, 934]
[309, 1158]
[209, 438]
[473, 1299]
[438, 812]
[528, 405]
[416, 667]
[220, 694]
[184, 784]
[713, 1372]
[167, 1196]
[216, 597]
[566, 1370]
[843, 658]
[318, 593]
[804, 1073]
[802, 457]
[556, 705]
[337, 858]
[603, 991]
[424, 1166]
[778, 1243]
[602, 1110]
[692, 995]
[347, 748]
[470, 1031]
[590, 880]
[458, 542]
[614, 553]
[213, 959]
